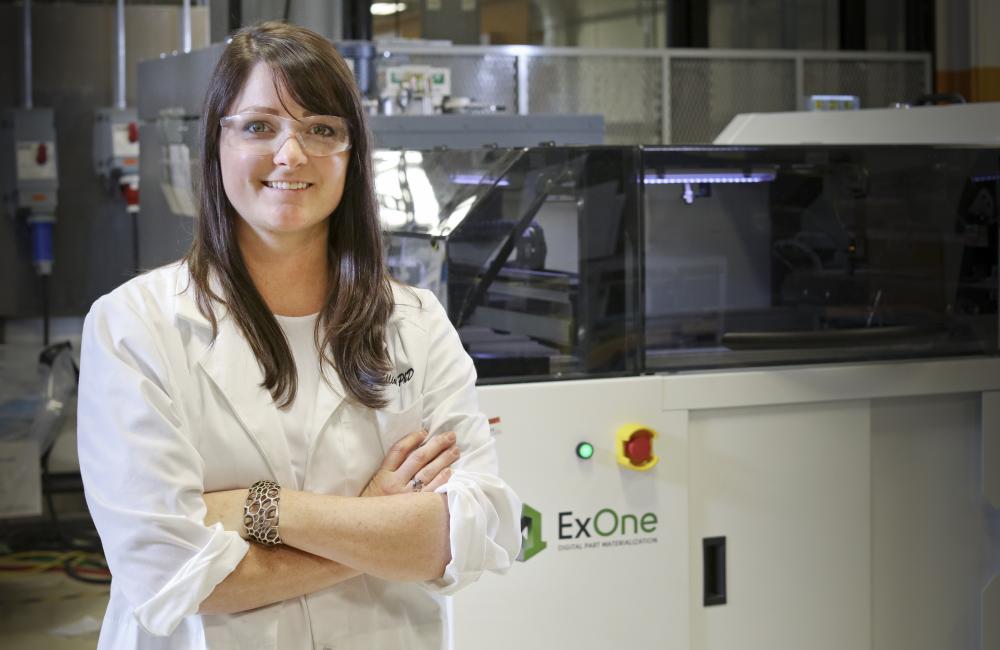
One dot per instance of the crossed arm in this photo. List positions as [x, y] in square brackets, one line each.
[389, 531]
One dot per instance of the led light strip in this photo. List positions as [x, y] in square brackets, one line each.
[683, 179]
[471, 179]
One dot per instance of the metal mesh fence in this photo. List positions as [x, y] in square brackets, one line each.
[489, 78]
[627, 91]
[877, 83]
[705, 94]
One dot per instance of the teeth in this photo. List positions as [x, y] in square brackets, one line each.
[281, 185]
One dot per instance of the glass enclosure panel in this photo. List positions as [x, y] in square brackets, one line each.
[533, 252]
[771, 255]
[429, 192]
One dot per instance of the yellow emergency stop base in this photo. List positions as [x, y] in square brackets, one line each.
[624, 434]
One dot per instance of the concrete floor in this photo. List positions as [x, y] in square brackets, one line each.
[33, 605]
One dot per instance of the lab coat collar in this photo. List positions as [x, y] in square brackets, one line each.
[185, 305]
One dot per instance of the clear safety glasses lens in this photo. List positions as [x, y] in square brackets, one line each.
[262, 133]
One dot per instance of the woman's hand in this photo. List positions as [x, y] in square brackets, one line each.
[414, 464]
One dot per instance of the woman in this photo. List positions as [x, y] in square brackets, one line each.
[279, 350]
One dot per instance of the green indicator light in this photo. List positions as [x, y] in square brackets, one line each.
[585, 450]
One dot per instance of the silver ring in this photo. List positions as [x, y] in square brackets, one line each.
[418, 485]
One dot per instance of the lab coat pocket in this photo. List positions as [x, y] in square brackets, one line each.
[393, 425]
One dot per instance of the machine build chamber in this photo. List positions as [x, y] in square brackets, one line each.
[594, 261]
[778, 255]
[534, 252]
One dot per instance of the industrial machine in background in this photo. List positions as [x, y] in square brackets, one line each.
[788, 430]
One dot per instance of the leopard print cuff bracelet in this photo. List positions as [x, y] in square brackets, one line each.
[260, 513]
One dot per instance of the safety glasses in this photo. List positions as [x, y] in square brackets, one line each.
[265, 134]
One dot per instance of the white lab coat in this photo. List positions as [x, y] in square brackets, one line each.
[166, 415]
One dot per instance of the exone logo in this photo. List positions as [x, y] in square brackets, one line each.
[605, 528]
[531, 533]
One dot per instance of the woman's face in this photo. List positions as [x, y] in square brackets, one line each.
[271, 211]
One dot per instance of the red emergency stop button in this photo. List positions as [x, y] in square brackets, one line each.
[42, 154]
[639, 449]
[634, 444]
[133, 132]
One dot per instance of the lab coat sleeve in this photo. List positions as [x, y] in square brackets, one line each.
[484, 513]
[142, 474]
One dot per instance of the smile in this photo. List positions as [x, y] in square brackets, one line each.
[282, 185]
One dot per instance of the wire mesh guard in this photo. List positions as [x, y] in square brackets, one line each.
[877, 83]
[705, 94]
[627, 91]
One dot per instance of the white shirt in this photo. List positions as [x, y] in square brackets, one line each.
[298, 420]
[166, 414]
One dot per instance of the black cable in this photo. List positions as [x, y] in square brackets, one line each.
[48, 497]
[288, 8]
[70, 566]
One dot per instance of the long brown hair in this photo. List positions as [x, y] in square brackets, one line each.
[351, 326]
